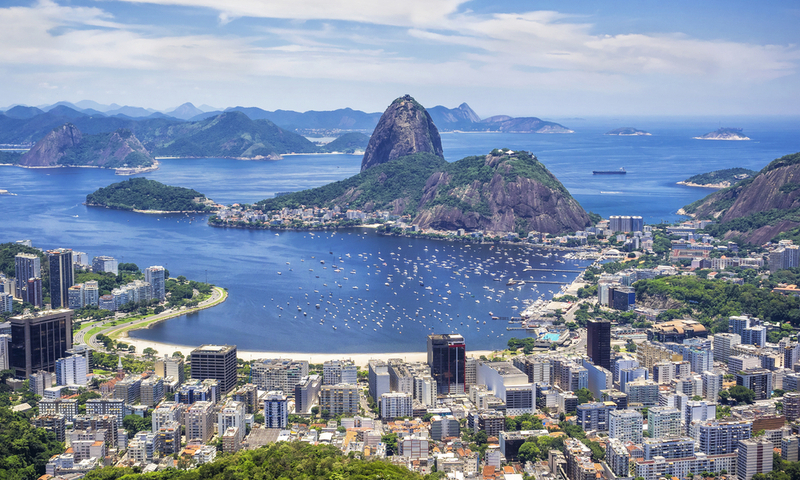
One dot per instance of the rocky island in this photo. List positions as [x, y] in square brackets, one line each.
[627, 132]
[724, 134]
[405, 178]
[149, 196]
[718, 178]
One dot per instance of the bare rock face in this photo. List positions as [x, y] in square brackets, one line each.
[49, 150]
[513, 190]
[405, 128]
[67, 146]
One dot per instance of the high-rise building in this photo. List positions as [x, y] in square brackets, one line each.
[759, 380]
[26, 266]
[62, 276]
[91, 293]
[5, 344]
[217, 362]
[199, 421]
[595, 415]
[33, 292]
[712, 385]
[278, 374]
[167, 412]
[152, 390]
[791, 405]
[598, 342]
[232, 415]
[306, 394]
[379, 379]
[72, 370]
[76, 298]
[723, 345]
[155, 277]
[104, 264]
[40, 381]
[276, 410]
[755, 456]
[170, 367]
[396, 404]
[717, 438]
[337, 371]
[663, 422]
[446, 357]
[625, 425]
[338, 399]
[6, 302]
[38, 340]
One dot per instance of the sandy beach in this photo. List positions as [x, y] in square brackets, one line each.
[360, 359]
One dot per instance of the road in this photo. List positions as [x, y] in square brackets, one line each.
[218, 295]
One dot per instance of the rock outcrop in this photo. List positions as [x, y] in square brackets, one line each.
[67, 146]
[724, 134]
[405, 128]
[769, 202]
[502, 192]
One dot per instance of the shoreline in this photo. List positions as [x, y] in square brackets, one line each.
[151, 212]
[360, 359]
[716, 186]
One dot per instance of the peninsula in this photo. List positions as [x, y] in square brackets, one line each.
[149, 196]
[718, 178]
[724, 134]
[405, 178]
[628, 132]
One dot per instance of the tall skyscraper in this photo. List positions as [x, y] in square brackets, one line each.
[217, 362]
[598, 342]
[446, 357]
[61, 276]
[26, 266]
[33, 292]
[754, 456]
[155, 277]
[37, 341]
[276, 413]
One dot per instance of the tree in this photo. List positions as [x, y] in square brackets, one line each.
[528, 452]
[149, 351]
[135, 424]
[481, 438]
[390, 440]
[584, 396]
[742, 394]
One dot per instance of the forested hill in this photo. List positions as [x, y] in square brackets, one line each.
[758, 208]
[148, 195]
[502, 191]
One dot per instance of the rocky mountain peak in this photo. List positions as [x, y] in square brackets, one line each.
[405, 128]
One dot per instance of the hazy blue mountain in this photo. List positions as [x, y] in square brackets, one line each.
[185, 111]
[23, 112]
[133, 112]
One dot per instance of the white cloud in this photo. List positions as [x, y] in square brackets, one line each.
[401, 13]
[414, 44]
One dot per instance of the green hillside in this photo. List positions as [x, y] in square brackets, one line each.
[144, 194]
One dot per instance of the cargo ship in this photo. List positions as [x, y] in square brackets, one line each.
[621, 171]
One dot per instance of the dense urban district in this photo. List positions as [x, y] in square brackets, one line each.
[675, 355]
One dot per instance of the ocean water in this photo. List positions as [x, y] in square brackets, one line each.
[433, 286]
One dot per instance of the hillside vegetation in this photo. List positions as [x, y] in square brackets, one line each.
[144, 194]
[375, 189]
[296, 460]
[728, 175]
[755, 209]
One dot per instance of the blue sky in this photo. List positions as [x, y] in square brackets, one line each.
[538, 58]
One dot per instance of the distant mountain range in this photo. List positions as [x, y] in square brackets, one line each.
[238, 132]
[461, 118]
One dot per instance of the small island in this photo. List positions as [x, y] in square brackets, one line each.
[718, 178]
[351, 142]
[628, 132]
[724, 133]
[149, 196]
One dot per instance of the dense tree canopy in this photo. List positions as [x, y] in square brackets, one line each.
[296, 461]
[144, 194]
[24, 449]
